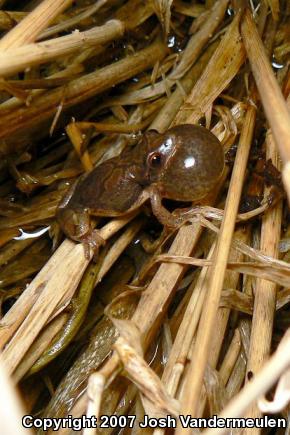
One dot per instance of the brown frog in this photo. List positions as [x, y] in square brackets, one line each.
[182, 164]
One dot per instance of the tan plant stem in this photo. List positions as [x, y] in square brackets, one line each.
[30, 27]
[81, 89]
[265, 292]
[231, 280]
[227, 59]
[231, 357]
[270, 93]
[68, 23]
[190, 400]
[17, 59]
[264, 380]
[42, 289]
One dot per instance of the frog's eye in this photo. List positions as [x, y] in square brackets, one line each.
[155, 160]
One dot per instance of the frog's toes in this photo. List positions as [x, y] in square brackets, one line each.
[93, 241]
[87, 250]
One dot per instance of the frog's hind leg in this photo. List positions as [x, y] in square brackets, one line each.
[90, 238]
[76, 224]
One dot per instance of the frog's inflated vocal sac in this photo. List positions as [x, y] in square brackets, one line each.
[183, 164]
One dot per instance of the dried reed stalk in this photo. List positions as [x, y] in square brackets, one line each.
[181, 346]
[81, 89]
[17, 59]
[74, 21]
[163, 11]
[275, 8]
[153, 391]
[265, 292]
[67, 73]
[190, 399]
[270, 93]
[180, 351]
[141, 12]
[42, 342]
[168, 112]
[278, 363]
[189, 57]
[29, 28]
[74, 133]
[230, 281]
[156, 296]
[40, 299]
[231, 357]
[12, 249]
[237, 377]
[230, 53]
[199, 39]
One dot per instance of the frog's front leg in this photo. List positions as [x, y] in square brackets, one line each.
[76, 224]
[169, 220]
[179, 216]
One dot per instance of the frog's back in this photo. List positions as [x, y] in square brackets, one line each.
[108, 190]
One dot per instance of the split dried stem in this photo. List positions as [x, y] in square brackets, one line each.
[40, 300]
[263, 381]
[227, 59]
[190, 400]
[270, 94]
[30, 27]
[265, 292]
[80, 89]
[17, 59]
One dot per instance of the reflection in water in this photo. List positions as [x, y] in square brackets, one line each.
[24, 235]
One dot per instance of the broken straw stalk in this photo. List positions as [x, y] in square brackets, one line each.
[278, 117]
[40, 300]
[278, 363]
[265, 294]
[17, 59]
[31, 26]
[80, 89]
[270, 94]
[113, 254]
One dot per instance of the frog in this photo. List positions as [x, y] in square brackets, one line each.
[182, 164]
